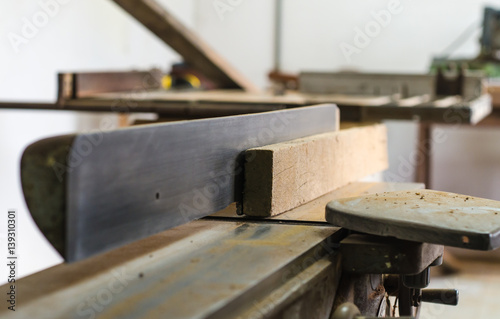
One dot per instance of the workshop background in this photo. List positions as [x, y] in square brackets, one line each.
[96, 35]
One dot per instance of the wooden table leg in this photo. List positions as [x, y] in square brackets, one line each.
[424, 150]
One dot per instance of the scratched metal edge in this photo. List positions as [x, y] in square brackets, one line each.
[133, 260]
[325, 249]
[325, 116]
[494, 239]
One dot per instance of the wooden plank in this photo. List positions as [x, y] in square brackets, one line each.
[414, 100]
[366, 108]
[491, 120]
[241, 97]
[314, 211]
[447, 101]
[424, 148]
[191, 47]
[283, 176]
[352, 107]
[493, 89]
[203, 104]
[468, 112]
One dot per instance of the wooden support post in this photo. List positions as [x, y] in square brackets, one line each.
[424, 150]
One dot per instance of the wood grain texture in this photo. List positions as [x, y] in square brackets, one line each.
[286, 175]
[314, 211]
[191, 47]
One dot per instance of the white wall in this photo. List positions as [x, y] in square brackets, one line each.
[81, 35]
[97, 35]
[242, 32]
[314, 30]
[468, 162]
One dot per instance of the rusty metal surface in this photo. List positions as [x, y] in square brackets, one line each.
[471, 107]
[366, 291]
[308, 295]
[423, 216]
[204, 269]
[384, 255]
[85, 84]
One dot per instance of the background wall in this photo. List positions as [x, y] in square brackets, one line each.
[81, 35]
[97, 35]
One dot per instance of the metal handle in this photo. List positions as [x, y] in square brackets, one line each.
[440, 296]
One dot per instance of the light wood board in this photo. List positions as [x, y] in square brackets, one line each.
[314, 211]
[240, 97]
[283, 176]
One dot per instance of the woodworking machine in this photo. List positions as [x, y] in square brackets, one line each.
[125, 212]
[250, 206]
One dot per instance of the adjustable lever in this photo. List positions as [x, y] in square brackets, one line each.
[440, 296]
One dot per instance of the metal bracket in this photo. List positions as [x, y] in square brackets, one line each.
[371, 254]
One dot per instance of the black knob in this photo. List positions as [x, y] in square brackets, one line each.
[417, 281]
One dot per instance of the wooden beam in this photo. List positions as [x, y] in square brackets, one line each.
[424, 149]
[314, 211]
[283, 176]
[190, 46]
[491, 120]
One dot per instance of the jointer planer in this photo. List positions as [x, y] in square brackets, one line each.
[141, 214]
[298, 263]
